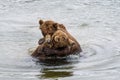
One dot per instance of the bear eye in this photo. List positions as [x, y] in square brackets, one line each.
[50, 27]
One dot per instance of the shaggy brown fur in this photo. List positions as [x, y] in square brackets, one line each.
[56, 42]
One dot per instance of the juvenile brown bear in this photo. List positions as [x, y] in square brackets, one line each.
[60, 40]
[48, 28]
[59, 45]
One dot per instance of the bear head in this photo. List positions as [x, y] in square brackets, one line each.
[48, 28]
[60, 40]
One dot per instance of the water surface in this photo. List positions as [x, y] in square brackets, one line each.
[95, 24]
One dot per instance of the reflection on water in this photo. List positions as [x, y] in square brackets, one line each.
[54, 62]
[55, 74]
[95, 24]
[49, 69]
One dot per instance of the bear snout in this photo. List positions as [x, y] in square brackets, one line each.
[48, 38]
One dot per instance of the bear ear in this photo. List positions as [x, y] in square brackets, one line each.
[62, 26]
[55, 25]
[41, 22]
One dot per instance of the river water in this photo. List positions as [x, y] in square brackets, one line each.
[94, 23]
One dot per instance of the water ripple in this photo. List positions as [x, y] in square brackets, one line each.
[95, 24]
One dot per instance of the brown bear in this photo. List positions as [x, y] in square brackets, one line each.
[49, 29]
[60, 41]
[52, 27]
